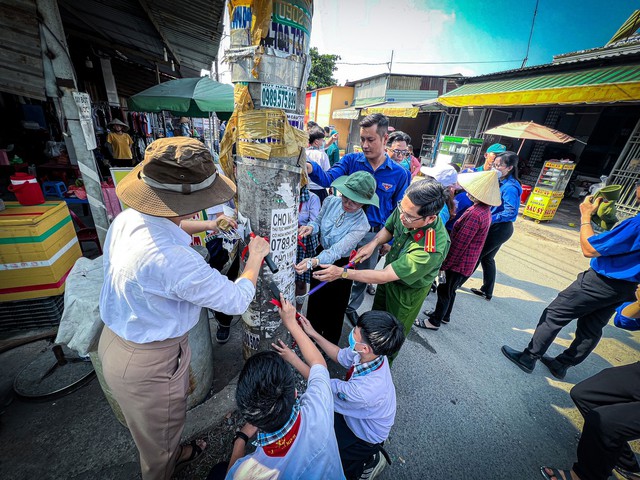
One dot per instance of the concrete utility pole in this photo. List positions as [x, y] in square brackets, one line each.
[269, 62]
[61, 85]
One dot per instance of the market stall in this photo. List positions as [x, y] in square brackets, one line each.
[548, 192]
[458, 150]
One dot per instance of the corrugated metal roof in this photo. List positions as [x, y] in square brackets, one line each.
[21, 70]
[399, 75]
[596, 85]
[140, 29]
[410, 95]
[597, 76]
[615, 55]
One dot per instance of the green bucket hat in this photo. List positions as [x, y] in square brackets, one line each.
[359, 187]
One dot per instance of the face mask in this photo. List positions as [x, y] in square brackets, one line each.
[498, 171]
[352, 342]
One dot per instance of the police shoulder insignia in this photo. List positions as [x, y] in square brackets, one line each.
[430, 241]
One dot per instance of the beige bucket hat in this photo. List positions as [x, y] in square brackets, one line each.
[177, 177]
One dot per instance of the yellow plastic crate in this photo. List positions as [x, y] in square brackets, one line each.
[38, 247]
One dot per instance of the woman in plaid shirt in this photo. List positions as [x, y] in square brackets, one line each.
[467, 239]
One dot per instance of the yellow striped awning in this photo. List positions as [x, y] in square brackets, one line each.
[596, 85]
[393, 109]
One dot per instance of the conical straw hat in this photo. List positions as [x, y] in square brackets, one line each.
[482, 185]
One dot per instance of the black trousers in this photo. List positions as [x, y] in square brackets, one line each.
[446, 297]
[610, 405]
[354, 452]
[591, 298]
[218, 257]
[218, 471]
[498, 234]
[326, 307]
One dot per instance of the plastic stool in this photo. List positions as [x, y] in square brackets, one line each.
[54, 189]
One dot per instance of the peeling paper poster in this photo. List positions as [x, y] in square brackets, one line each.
[284, 243]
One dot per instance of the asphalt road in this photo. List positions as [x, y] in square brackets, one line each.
[465, 411]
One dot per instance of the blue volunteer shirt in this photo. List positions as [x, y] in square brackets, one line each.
[507, 211]
[619, 251]
[391, 178]
[624, 322]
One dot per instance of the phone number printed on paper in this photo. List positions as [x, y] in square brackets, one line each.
[278, 96]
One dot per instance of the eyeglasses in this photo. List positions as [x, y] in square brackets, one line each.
[404, 153]
[408, 218]
[348, 200]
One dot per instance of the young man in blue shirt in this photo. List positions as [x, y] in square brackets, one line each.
[364, 403]
[392, 180]
[592, 298]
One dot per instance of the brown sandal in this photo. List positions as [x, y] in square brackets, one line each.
[196, 454]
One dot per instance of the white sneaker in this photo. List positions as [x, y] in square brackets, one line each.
[374, 466]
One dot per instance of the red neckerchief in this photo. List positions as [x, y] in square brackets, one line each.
[352, 369]
[280, 447]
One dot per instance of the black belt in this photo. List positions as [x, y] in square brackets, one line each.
[376, 229]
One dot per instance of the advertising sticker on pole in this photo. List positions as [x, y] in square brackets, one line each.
[284, 244]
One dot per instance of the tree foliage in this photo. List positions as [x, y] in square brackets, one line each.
[322, 68]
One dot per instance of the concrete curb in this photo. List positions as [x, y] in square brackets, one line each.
[212, 412]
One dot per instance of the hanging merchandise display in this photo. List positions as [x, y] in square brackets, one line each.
[543, 202]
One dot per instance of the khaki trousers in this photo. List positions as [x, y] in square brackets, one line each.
[150, 383]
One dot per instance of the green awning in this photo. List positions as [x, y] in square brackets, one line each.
[188, 97]
[596, 85]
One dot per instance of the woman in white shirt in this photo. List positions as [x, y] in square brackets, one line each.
[154, 287]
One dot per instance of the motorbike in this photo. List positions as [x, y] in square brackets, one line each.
[582, 185]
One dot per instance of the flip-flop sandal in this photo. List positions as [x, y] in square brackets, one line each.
[556, 474]
[421, 323]
[196, 454]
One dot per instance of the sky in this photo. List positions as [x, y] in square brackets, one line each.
[449, 34]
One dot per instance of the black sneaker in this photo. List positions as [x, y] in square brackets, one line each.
[222, 334]
[374, 466]
[626, 474]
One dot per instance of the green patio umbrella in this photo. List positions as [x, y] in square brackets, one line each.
[187, 97]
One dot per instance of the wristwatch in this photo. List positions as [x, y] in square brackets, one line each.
[345, 273]
[241, 435]
[309, 263]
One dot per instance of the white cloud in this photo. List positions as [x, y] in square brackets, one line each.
[364, 31]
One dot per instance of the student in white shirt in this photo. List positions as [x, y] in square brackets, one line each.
[316, 153]
[295, 438]
[365, 403]
[154, 287]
